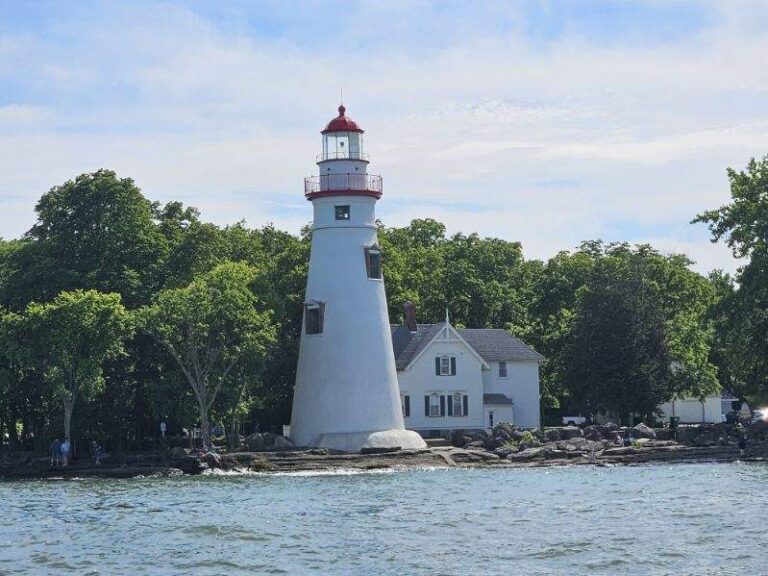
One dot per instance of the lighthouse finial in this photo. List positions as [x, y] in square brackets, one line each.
[447, 320]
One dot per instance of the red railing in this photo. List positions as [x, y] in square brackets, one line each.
[343, 182]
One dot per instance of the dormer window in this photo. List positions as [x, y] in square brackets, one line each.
[373, 262]
[445, 365]
[314, 316]
[342, 212]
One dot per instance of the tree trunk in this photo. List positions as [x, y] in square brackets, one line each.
[68, 406]
[234, 433]
[205, 426]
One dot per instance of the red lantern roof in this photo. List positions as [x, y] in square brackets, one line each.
[342, 123]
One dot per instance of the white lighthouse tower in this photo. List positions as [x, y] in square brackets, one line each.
[347, 396]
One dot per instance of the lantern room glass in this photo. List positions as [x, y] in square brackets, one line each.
[342, 145]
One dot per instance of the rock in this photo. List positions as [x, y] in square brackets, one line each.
[569, 432]
[282, 443]
[177, 453]
[504, 451]
[476, 444]
[556, 454]
[190, 465]
[552, 434]
[256, 442]
[643, 431]
[578, 442]
[379, 449]
[594, 432]
[261, 465]
[459, 439]
[528, 454]
[610, 427]
[620, 451]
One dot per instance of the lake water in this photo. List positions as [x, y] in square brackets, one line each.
[683, 519]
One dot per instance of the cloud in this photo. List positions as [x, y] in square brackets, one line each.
[531, 123]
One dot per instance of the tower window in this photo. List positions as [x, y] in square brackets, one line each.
[373, 262]
[314, 315]
[342, 212]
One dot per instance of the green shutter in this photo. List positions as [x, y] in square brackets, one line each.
[426, 406]
[442, 405]
[407, 400]
[466, 405]
[450, 405]
[437, 365]
[453, 365]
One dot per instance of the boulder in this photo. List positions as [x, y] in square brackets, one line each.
[578, 442]
[256, 442]
[459, 439]
[177, 453]
[282, 443]
[552, 434]
[610, 427]
[475, 444]
[594, 432]
[643, 431]
[524, 455]
[504, 451]
[569, 432]
[556, 454]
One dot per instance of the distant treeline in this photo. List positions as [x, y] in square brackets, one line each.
[118, 313]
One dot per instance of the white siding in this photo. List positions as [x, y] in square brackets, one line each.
[420, 380]
[691, 410]
[522, 385]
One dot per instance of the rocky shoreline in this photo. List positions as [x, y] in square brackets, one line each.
[505, 448]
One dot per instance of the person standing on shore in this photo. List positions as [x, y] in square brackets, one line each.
[56, 452]
[66, 448]
[743, 445]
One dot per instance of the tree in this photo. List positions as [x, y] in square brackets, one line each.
[210, 326]
[617, 360]
[743, 225]
[101, 232]
[70, 338]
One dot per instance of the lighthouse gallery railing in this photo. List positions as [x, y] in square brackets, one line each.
[331, 182]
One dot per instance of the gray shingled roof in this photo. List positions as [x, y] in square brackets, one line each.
[497, 400]
[492, 344]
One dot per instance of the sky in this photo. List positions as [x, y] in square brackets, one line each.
[544, 122]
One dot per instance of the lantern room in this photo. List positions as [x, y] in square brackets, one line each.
[342, 139]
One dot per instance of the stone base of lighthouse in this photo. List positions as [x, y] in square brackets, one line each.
[356, 441]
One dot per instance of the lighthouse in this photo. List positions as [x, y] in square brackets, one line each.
[347, 396]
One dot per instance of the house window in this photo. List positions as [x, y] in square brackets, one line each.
[342, 212]
[458, 404]
[502, 369]
[434, 405]
[405, 404]
[445, 365]
[373, 262]
[314, 315]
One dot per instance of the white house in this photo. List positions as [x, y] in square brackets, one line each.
[690, 410]
[454, 378]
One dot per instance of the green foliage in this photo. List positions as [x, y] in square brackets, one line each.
[210, 326]
[741, 314]
[69, 339]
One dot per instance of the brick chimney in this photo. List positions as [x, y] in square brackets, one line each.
[409, 315]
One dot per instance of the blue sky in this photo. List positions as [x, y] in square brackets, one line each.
[547, 122]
